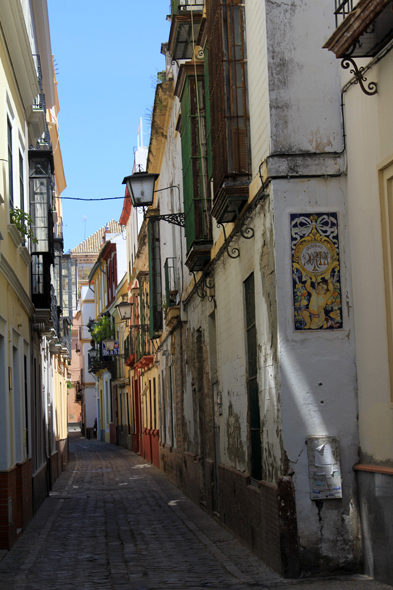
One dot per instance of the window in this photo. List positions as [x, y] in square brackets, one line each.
[254, 420]
[10, 166]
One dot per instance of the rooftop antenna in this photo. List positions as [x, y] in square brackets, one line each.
[140, 134]
[84, 219]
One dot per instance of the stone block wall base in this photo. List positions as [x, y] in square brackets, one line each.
[8, 509]
[54, 467]
[155, 448]
[62, 449]
[40, 487]
[263, 516]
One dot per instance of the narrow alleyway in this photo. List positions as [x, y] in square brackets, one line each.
[115, 522]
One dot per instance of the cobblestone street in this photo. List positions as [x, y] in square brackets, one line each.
[115, 522]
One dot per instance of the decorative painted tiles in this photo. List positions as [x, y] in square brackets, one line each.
[316, 271]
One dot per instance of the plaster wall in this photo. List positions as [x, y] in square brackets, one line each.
[318, 379]
[303, 77]
[255, 257]
[369, 126]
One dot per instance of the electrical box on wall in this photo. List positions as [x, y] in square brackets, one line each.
[324, 467]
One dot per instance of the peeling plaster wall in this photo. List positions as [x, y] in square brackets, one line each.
[318, 382]
[303, 77]
[256, 255]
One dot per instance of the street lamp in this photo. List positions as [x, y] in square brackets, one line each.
[140, 186]
[93, 353]
[125, 310]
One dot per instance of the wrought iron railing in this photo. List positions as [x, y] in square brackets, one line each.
[171, 287]
[54, 311]
[128, 346]
[39, 101]
[143, 345]
[67, 337]
[58, 230]
[343, 8]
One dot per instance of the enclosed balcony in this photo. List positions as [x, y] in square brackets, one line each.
[69, 286]
[186, 21]
[190, 88]
[41, 170]
[229, 112]
[364, 28]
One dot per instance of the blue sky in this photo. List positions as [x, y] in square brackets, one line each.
[107, 55]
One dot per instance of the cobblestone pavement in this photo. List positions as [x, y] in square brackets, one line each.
[114, 522]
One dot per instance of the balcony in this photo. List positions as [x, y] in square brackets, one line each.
[143, 349]
[364, 28]
[186, 21]
[229, 111]
[100, 362]
[171, 282]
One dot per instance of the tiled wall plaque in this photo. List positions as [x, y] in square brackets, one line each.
[316, 281]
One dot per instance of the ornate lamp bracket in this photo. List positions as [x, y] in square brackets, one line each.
[371, 89]
[174, 218]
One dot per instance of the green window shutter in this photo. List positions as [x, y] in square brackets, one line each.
[155, 283]
[197, 203]
[186, 148]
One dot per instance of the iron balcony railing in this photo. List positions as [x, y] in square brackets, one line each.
[128, 346]
[171, 287]
[39, 101]
[143, 345]
[54, 309]
[343, 8]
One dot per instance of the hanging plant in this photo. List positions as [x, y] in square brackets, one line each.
[24, 223]
[103, 329]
